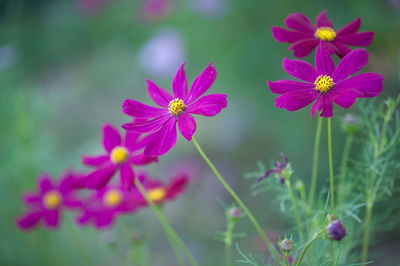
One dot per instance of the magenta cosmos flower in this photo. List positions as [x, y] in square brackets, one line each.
[106, 204]
[174, 110]
[120, 155]
[326, 84]
[159, 192]
[304, 37]
[47, 203]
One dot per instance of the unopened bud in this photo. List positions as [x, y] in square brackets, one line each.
[335, 230]
[286, 245]
[234, 213]
[351, 123]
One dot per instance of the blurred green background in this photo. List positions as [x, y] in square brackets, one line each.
[66, 66]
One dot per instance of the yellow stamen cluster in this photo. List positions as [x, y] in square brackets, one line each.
[112, 198]
[176, 106]
[325, 34]
[52, 199]
[157, 194]
[119, 155]
[323, 83]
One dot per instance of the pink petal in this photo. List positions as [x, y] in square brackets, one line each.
[283, 86]
[159, 95]
[323, 61]
[323, 21]
[104, 219]
[357, 39]
[137, 109]
[350, 64]
[100, 177]
[176, 186]
[351, 27]
[300, 69]
[29, 220]
[295, 100]
[127, 176]
[163, 140]
[284, 35]
[131, 139]
[142, 159]
[330, 47]
[148, 126]
[323, 105]
[341, 49]
[187, 126]
[201, 84]
[179, 83]
[45, 183]
[95, 160]
[365, 84]
[209, 105]
[299, 22]
[304, 47]
[111, 137]
[343, 98]
[51, 219]
[31, 198]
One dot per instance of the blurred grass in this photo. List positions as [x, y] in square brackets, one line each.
[72, 72]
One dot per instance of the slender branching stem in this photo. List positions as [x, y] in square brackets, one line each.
[257, 226]
[167, 227]
[314, 173]
[332, 195]
[296, 212]
[228, 242]
[307, 246]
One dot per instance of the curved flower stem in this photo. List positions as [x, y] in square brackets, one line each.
[167, 227]
[331, 166]
[296, 212]
[308, 245]
[257, 226]
[314, 173]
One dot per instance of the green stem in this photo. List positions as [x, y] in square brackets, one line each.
[368, 216]
[296, 212]
[228, 242]
[332, 196]
[308, 245]
[167, 227]
[343, 166]
[314, 173]
[257, 226]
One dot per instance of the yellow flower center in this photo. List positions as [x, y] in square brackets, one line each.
[323, 83]
[157, 194]
[112, 198]
[119, 155]
[176, 106]
[325, 34]
[52, 199]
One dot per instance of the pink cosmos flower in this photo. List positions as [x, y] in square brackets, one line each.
[105, 204]
[47, 203]
[120, 155]
[326, 84]
[159, 192]
[304, 37]
[152, 10]
[174, 110]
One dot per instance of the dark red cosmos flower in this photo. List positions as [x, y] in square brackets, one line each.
[304, 36]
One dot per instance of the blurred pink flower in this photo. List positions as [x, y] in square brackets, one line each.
[47, 203]
[152, 10]
[90, 7]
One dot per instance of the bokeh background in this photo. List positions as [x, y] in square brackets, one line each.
[67, 65]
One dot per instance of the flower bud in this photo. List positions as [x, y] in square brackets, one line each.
[351, 123]
[286, 245]
[234, 213]
[335, 230]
